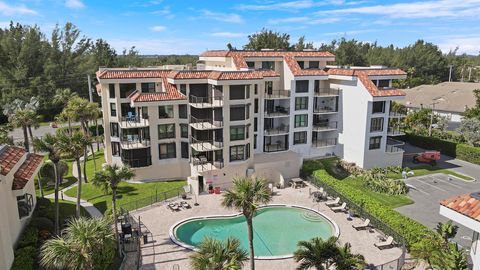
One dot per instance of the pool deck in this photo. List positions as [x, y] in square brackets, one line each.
[162, 253]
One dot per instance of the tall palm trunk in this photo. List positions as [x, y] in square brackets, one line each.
[70, 126]
[97, 135]
[89, 134]
[25, 138]
[250, 242]
[85, 157]
[57, 206]
[31, 135]
[114, 207]
[79, 187]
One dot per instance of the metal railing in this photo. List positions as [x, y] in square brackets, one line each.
[137, 163]
[275, 147]
[277, 94]
[324, 142]
[206, 123]
[327, 92]
[131, 247]
[396, 114]
[395, 131]
[156, 197]
[325, 109]
[135, 143]
[134, 120]
[277, 130]
[319, 126]
[278, 111]
[216, 100]
[205, 145]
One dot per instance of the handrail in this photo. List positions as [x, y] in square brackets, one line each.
[325, 125]
[137, 162]
[277, 111]
[205, 143]
[277, 94]
[137, 119]
[206, 100]
[395, 131]
[275, 147]
[277, 130]
[327, 91]
[324, 142]
[143, 141]
[158, 196]
[216, 123]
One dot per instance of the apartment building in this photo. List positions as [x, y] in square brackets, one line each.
[248, 113]
[17, 197]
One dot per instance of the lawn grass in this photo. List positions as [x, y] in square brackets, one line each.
[67, 210]
[422, 170]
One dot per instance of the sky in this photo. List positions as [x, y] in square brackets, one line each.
[193, 26]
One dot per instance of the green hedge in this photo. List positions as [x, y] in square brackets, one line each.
[411, 230]
[25, 258]
[456, 150]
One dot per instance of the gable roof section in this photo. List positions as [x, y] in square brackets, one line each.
[26, 171]
[298, 71]
[9, 158]
[171, 93]
[464, 204]
[131, 74]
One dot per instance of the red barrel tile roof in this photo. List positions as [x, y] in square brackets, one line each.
[131, 74]
[464, 204]
[26, 170]
[171, 93]
[9, 158]
[298, 71]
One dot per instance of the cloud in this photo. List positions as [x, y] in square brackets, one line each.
[228, 34]
[158, 28]
[303, 19]
[165, 12]
[466, 44]
[222, 17]
[414, 10]
[9, 10]
[295, 5]
[74, 4]
[349, 33]
[4, 24]
[166, 46]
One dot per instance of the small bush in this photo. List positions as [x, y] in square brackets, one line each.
[24, 258]
[43, 203]
[29, 238]
[42, 223]
[468, 153]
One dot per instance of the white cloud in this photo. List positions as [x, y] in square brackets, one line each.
[223, 17]
[166, 46]
[165, 12]
[9, 10]
[4, 24]
[350, 33]
[423, 9]
[228, 34]
[295, 5]
[466, 44]
[74, 4]
[158, 28]
[303, 19]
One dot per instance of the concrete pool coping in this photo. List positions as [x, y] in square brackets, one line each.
[173, 229]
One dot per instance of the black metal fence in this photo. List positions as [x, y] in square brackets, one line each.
[158, 196]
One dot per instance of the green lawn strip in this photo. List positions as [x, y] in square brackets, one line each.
[427, 169]
[67, 210]
[127, 193]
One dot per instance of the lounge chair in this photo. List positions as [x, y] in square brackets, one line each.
[333, 203]
[341, 208]
[173, 206]
[186, 205]
[363, 226]
[386, 244]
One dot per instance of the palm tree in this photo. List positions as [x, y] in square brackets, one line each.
[62, 96]
[345, 260]
[49, 144]
[245, 196]
[455, 258]
[428, 249]
[316, 253]
[109, 178]
[74, 146]
[213, 254]
[447, 230]
[20, 118]
[79, 246]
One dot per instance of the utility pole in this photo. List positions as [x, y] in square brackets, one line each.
[462, 72]
[469, 73]
[450, 74]
[431, 119]
[90, 88]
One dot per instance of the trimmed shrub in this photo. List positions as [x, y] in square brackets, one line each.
[468, 153]
[29, 238]
[42, 224]
[24, 258]
[43, 202]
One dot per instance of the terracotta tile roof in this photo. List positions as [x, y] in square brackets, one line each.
[171, 93]
[298, 71]
[222, 75]
[9, 157]
[464, 204]
[26, 171]
[374, 91]
[131, 74]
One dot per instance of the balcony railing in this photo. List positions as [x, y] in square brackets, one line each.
[203, 124]
[326, 92]
[275, 147]
[134, 121]
[325, 109]
[274, 94]
[205, 145]
[281, 129]
[395, 131]
[323, 126]
[279, 111]
[137, 163]
[324, 142]
[134, 143]
[206, 102]
[396, 115]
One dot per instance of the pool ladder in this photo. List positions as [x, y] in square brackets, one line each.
[307, 215]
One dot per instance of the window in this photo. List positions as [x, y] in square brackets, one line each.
[111, 90]
[114, 129]
[255, 124]
[127, 111]
[184, 130]
[237, 152]
[376, 124]
[237, 113]
[126, 89]
[184, 150]
[383, 83]
[165, 111]
[238, 92]
[300, 137]
[115, 149]
[316, 86]
[378, 107]
[301, 120]
[113, 110]
[256, 89]
[301, 64]
[183, 89]
[301, 103]
[250, 65]
[166, 131]
[268, 65]
[254, 141]
[255, 105]
[268, 87]
[375, 142]
[167, 150]
[182, 111]
[475, 242]
[148, 87]
[237, 133]
[313, 64]
[301, 86]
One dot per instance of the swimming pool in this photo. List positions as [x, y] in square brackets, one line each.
[277, 229]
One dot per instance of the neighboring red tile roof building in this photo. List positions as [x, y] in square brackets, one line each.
[131, 73]
[171, 93]
[467, 204]
[9, 157]
[26, 170]
[298, 71]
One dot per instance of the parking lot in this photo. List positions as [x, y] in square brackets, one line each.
[427, 192]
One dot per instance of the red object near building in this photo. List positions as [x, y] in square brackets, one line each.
[429, 157]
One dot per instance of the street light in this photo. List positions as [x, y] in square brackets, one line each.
[431, 119]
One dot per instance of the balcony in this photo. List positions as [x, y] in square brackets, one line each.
[275, 144]
[206, 102]
[137, 163]
[394, 146]
[325, 126]
[395, 131]
[205, 124]
[134, 143]
[319, 143]
[279, 111]
[201, 164]
[325, 109]
[278, 130]
[205, 145]
[277, 94]
[396, 115]
[134, 121]
[326, 92]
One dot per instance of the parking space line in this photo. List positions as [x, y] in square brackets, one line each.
[426, 183]
[447, 182]
[417, 189]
